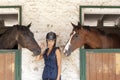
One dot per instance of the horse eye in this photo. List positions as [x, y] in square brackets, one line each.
[76, 35]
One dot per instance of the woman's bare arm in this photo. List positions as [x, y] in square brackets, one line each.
[59, 59]
[39, 57]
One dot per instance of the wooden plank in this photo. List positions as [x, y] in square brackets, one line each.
[8, 70]
[7, 61]
[5, 69]
[92, 67]
[6, 73]
[99, 68]
[105, 66]
[87, 66]
[117, 66]
[112, 67]
[2, 77]
[10, 67]
[13, 66]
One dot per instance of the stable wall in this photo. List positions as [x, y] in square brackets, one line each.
[52, 15]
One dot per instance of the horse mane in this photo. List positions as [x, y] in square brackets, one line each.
[21, 27]
[7, 30]
[88, 28]
[1, 34]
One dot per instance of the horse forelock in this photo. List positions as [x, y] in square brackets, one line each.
[76, 28]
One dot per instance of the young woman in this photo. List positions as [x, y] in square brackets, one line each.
[52, 58]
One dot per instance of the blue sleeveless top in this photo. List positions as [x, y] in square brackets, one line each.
[51, 69]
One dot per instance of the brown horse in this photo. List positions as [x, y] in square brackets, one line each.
[18, 34]
[92, 37]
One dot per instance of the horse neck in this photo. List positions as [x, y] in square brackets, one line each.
[93, 39]
[8, 39]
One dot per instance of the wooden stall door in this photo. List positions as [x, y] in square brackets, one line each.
[102, 66]
[7, 66]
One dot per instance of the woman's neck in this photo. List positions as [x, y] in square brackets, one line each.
[50, 47]
[49, 50]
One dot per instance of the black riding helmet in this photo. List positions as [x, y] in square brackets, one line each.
[51, 36]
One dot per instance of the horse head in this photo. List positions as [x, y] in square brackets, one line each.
[77, 38]
[26, 39]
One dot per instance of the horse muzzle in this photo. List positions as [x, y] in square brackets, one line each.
[36, 52]
[67, 52]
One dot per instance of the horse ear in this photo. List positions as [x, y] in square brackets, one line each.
[74, 26]
[79, 24]
[29, 25]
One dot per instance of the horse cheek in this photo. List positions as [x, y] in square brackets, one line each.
[21, 41]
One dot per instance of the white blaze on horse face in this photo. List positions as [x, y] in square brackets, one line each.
[68, 44]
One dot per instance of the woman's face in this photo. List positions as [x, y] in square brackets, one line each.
[51, 43]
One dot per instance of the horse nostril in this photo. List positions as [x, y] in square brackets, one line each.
[66, 54]
[64, 51]
[39, 51]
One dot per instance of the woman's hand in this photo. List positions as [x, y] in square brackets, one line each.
[42, 45]
[37, 58]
